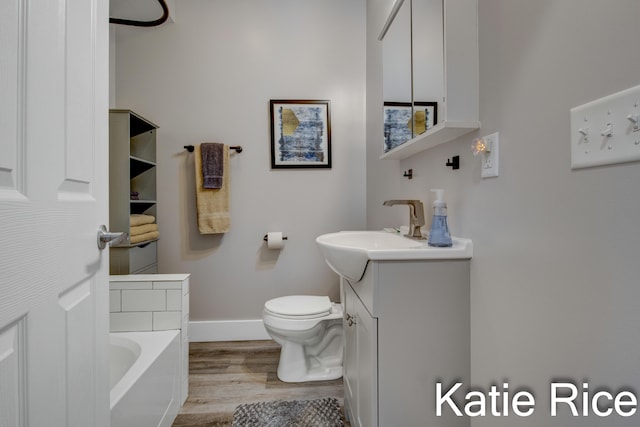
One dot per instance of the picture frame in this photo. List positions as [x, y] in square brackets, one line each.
[425, 116]
[300, 133]
[397, 124]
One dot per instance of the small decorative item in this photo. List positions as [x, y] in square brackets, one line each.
[397, 124]
[300, 134]
[425, 116]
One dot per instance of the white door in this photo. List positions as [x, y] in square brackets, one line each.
[53, 197]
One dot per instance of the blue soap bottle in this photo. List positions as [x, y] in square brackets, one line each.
[439, 234]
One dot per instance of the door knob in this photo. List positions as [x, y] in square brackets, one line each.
[105, 237]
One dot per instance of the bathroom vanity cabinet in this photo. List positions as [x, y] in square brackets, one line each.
[132, 169]
[407, 327]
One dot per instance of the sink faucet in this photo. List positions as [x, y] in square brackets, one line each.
[416, 216]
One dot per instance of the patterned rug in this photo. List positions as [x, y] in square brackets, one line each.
[297, 413]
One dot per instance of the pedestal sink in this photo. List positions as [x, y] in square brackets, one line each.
[348, 252]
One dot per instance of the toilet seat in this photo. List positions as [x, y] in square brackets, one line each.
[299, 306]
[299, 312]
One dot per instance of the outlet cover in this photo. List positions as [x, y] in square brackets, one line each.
[490, 158]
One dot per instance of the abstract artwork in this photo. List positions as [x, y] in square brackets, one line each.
[397, 124]
[425, 116]
[300, 134]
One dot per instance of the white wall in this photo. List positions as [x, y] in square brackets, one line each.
[554, 277]
[209, 77]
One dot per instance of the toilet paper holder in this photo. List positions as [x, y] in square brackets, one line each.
[265, 238]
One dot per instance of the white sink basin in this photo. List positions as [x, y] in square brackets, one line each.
[348, 252]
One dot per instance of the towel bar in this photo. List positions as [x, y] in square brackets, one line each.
[238, 148]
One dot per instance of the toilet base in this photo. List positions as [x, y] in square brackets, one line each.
[321, 374]
[295, 367]
[319, 361]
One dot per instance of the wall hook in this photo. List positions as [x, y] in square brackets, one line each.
[454, 162]
[408, 174]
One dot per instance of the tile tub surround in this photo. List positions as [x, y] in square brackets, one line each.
[147, 302]
[152, 302]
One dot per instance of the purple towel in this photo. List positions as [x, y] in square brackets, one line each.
[212, 164]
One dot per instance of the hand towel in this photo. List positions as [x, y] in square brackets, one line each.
[140, 219]
[153, 235]
[212, 204]
[212, 164]
[142, 229]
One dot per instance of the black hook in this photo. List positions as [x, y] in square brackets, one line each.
[454, 162]
[408, 174]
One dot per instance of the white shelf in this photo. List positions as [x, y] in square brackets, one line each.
[439, 134]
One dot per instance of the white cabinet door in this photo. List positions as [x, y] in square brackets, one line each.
[350, 362]
[53, 197]
[361, 361]
[367, 339]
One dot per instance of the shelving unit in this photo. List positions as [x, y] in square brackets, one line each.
[132, 168]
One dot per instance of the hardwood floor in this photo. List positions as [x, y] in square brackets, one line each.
[223, 375]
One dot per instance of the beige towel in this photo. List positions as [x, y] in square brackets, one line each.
[140, 219]
[212, 204]
[152, 235]
[142, 229]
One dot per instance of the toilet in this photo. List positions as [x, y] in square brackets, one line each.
[309, 329]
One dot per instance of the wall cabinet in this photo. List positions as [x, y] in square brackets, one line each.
[132, 188]
[406, 328]
[448, 61]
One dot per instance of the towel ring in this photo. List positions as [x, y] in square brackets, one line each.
[237, 148]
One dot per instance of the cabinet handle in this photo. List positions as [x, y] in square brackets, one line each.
[351, 320]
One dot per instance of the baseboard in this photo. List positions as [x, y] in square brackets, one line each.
[227, 330]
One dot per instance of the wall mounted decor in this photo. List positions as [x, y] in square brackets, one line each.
[425, 115]
[300, 134]
[397, 124]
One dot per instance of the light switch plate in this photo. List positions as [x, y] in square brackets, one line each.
[607, 130]
[490, 159]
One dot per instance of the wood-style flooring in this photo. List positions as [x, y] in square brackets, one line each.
[223, 375]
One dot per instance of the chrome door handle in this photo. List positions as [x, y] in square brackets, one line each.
[105, 237]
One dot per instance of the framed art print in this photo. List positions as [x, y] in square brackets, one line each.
[425, 116]
[300, 134]
[397, 124]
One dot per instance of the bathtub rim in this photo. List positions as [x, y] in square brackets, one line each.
[153, 344]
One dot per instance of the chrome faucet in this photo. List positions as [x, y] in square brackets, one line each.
[416, 216]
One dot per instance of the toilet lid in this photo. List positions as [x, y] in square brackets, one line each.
[299, 305]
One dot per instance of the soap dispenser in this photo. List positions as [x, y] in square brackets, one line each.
[439, 234]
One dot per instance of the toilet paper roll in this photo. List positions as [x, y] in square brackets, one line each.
[275, 240]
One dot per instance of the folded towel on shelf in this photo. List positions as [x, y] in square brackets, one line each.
[142, 229]
[140, 219]
[212, 205]
[152, 235]
[212, 164]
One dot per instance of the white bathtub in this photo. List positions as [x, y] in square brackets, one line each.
[145, 378]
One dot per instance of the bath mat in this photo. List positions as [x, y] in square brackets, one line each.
[296, 413]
